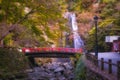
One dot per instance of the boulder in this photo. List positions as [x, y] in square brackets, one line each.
[59, 69]
[52, 71]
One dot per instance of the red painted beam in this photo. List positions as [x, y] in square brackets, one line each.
[46, 49]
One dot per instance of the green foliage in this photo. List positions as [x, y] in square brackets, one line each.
[107, 26]
[79, 5]
[35, 16]
[75, 59]
[102, 33]
[108, 1]
[80, 73]
[12, 10]
[7, 40]
[12, 62]
[106, 22]
[36, 30]
[77, 56]
[49, 33]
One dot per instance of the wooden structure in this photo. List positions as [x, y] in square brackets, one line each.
[101, 64]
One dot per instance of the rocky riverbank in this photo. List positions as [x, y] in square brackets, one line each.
[53, 71]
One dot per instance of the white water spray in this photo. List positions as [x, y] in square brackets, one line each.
[78, 42]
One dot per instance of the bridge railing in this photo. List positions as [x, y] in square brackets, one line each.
[44, 49]
[102, 64]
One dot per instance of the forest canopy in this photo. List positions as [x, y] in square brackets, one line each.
[24, 22]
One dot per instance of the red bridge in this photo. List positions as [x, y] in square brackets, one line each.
[51, 52]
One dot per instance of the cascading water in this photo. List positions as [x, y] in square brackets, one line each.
[78, 42]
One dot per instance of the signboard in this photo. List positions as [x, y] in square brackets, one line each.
[111, 38]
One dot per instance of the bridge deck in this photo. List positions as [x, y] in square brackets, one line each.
[51, 52]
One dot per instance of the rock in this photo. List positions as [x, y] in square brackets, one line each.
[29, 71]
[58, 74]
[52, 71]
[62, 78]
[59, 69]
[55, 65]
[38, 69]
[71, 77]
[51, 67]
[68, 66]
[53, 79]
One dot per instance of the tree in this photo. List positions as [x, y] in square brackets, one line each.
[108, 25]
[34, 15]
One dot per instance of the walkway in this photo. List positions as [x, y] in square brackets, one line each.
[98, 71]
[109, 55]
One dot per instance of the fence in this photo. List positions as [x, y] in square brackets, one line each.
[96, 62]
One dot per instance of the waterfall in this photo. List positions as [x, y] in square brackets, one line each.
[77, 41]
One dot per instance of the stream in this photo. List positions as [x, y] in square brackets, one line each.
[58, 69]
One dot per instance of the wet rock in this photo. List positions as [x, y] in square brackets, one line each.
[53, 79]
[52, 71]
[62, 78]
[59, 69]
[71, 77]
[68, 66]
[29, 71]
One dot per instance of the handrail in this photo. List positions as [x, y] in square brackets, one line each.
[94, 60]
[108, 63]
[47, 49]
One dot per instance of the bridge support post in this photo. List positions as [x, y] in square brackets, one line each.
[31, 61]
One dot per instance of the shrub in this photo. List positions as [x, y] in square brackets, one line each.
[80, 73]
[12, 62]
